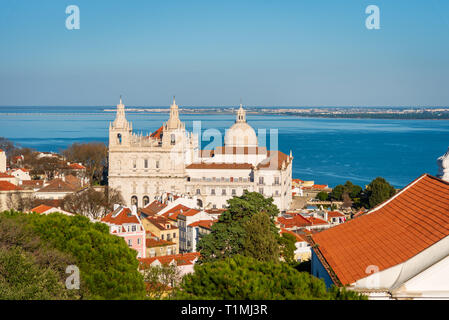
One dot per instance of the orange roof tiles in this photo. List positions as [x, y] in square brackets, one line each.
[298, 237]
[203, 223]
[175, 211]
[58, 185]
[152, 243]
[76, 166]
[181, 259]
[293, 220]
[391, 233]
[157, 134]
[153, 208]
[5, 175]
[160, 222]
[8, 186]
[335, 214]
[41, 208]
[190, 212]
[121, 217]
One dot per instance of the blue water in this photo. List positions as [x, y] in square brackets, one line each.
[329, 151]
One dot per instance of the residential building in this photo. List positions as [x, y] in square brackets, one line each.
[44, 209]
[185, 262]
[11, 195]
[125, 223]
[303, 250]
[161, 228]
[397, 250]
[157, 247]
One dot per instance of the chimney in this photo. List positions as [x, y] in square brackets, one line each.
[134, 209]
[116, 206]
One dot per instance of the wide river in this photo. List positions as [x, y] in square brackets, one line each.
[328, 151]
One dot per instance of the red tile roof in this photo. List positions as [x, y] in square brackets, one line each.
[160, 222]
[391, 233]
[152, 243]
[298, 237]
[58, 185]
[181, 259]
[120, 216]
[335, 214]
[190, 212]
[8, 186]
[76, 166]
[203, 223]
[153, 208]
[175, 211]
[215, 211]
[41, 208]
[157, 134]
[293, 220]
[5, 175]
[32, 183]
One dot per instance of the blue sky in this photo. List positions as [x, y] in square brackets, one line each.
[269, 53]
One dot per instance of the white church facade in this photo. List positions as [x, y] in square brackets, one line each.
[169, 161]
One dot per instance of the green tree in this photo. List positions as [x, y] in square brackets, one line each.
[161, 281]
[29, 268]
[260, 242]
[288, 247]
[337, 193]
[322, 196]
[378, 191]
[94, 155]
[108, 267]
[229, 235]
[244, 278]
[23, 278]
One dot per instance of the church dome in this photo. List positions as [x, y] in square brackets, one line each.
[240, 134]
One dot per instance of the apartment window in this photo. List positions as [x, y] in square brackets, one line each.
[214, 206]
[172, 139]
[212, 192]
[145, 163]
[260, 180]
[276, 180]
[223, 192]
[157, 164]
[133, 228]
[198, 191]
[134, 163]
[234, 192]
[130, 242]
[162, 237]
[261, 190]
[174, 235]
[138, 240]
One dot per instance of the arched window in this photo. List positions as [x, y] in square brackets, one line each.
[134, 201]
[172, 139]
[199, 203]
[146, 200]
[119, 138]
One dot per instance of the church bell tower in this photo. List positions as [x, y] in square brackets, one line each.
[120, 130]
